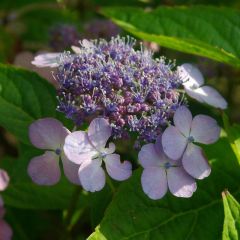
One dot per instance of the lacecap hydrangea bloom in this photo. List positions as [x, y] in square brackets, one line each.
[118, 91]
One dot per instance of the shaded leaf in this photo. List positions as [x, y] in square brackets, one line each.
[24, 97]
[206, 31]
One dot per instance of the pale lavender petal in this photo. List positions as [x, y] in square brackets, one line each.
[99, 132]
[77, 147]
[47, 60]
[183, 120]
[180, 183]
[173, 142]
[154, 182]
[5, 231]
[4, 179]
[47, 133]
[149, 157]
[70, 170]
[92, 176]
[211, 96]
[110, 149]
[205, 129]
[116, 169]
[193, 93]
[191, 76]
[159, 149]
[195, 163]
[76, 49]
[44, 169]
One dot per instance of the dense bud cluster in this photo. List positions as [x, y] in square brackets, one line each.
[128, 87]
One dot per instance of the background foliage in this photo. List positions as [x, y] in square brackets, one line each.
[186, 30]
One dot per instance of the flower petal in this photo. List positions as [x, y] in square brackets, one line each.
[205, 129]
[180, 183]
[4, 179]
[149, 157]
[110, 149]
[212, 97]
[99, 132]
[116, 169]
[191, 76]
[76, 49]
[44, 169]
[183, 120]
[92, 176]
[47, 60]
[193, 93]
[47, 133]
[5, 230]
[173, 142]
[77, 147]
[195, 163]
[154, 182]
[70, 170]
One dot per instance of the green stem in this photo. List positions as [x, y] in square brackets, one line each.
[109, 182]
[72, 206]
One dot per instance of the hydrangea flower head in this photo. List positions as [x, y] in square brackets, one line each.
[49, 134]
[178, 141]
[5, 230]
[112, 80]
[193, 84]
[88, 149]
[161, 173]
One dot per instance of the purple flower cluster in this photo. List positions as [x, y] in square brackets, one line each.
[128, 87]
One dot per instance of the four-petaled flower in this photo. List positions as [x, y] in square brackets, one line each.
[161, 173]
[178, 141]
[49, 134]
[193, 83]
[88, 149]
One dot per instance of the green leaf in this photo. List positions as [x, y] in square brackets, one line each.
[24, 97]
[231, 227]
[200, 217]
[204, 31]
[233, 134]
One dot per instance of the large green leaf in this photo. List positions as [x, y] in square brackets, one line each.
[24, 97]
[231, 228]
[200, 217]
[205, 31]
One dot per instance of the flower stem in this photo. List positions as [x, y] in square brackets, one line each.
[109, 182]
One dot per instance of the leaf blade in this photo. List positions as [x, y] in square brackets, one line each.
[195, 30]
